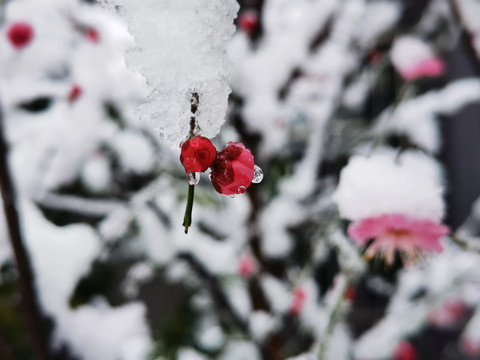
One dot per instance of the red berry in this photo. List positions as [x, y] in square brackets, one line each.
[350, 293]
[248, 21]
[92, 34]
[299, 296]
[233, 169]
[247, 266]
[20, 34]
[197, 154]
[75, 93]
[405, 351]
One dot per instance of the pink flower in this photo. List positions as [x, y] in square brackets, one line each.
[299, 297]
[405, 351]
[20, 34]
[247, 266]
[392, 232]
[430, 67]
[233, 169]
[197, 154]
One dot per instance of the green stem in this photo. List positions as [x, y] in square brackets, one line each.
[187, 219]
[332, 322]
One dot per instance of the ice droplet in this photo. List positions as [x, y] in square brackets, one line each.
[241, 189]
[257, 175]
[193, 178]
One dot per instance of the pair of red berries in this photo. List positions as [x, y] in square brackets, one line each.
[233, 169]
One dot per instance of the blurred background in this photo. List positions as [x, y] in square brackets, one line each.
[94, 261]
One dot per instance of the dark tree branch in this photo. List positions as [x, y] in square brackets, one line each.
[213, 286]
[39, 334]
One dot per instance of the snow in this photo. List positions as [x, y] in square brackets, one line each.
[134, 152]
[388, 182]
[240, 350]
[180, 50]
[407, 51]
[262, 324]
[96, 174]
[417, 117]
[452, 273]
[60, 257]
[276, 292]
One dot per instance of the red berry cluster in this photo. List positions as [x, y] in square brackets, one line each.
[232, 167]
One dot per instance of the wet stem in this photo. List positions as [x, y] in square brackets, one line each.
[187, 219]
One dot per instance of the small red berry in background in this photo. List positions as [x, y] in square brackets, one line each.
[75, 93]
[197, 154]
[299, 296]
[233, 169]
[405, 351]
[20, 34]
[350, 293]
[248, 21]
[247, 266]
[92, 35]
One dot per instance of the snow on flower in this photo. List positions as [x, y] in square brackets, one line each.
[394, 200]
[414, 59]
[388, 182]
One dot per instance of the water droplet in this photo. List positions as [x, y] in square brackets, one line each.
[257, 175]
[241, 189]
[232, 196]
[193, 178]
